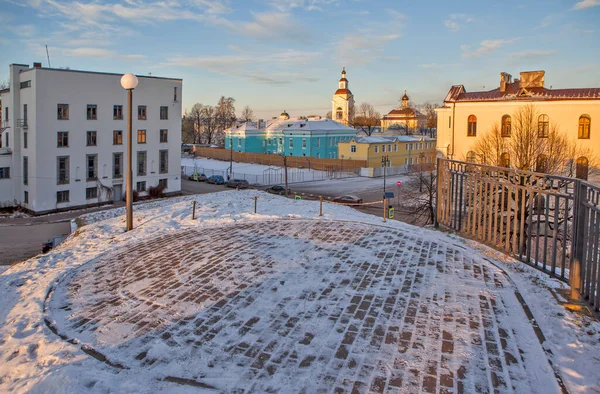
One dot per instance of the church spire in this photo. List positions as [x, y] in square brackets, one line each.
[405, 100]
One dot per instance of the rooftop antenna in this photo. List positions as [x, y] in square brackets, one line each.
[48, 56]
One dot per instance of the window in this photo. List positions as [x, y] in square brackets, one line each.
[405, 161]
[62, 170]
[411, 161]
[118, 137]
[63, 111]
[280, 140]
[25, 84]
[26, 197]
[411, 146]
[269, 141]
[117, 165]
[91, 138]
[141, 163]
[407, 147]
[291, 143]
[141, 112]
[175, 93]
[383, 148]
[164, 161]
[582, 167]
[389, 148]
[141, 138]
[239, 142]
[140, 186]
[585, 123]
[117, 112]
[318, 155]
[472, 126]
[63, 139]
[6, 113]
[303, 143]
[543, 126]
[62, 196]
[506, 126]
[24, 140]
[471, 157]
[339, 114]
[25, 170]
[318, 142]
[92, 112]
[541, 163]
[162, 183]
[6, 144]
[353, 148]
[164, 112]
[92, 167]
[376, 148]
[164, 133]
[505, 160]
[91, 193]
[4, 172]
[25, 114]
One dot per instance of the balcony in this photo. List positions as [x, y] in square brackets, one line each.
[22, 123]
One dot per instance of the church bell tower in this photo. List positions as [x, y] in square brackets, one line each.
[342, 105]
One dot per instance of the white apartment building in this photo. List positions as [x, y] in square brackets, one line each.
[64, 137]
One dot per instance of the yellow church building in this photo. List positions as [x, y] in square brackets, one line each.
[403, 117]
[466, 116]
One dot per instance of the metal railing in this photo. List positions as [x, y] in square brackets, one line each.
[549, 222]
[22, 123]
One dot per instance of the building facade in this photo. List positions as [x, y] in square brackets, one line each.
[342, 104]
[468, 116]
[400, 151]
[310, 137]
[64, 135]
[403, 118]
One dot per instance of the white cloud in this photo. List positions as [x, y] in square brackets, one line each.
[485, 47]
[309, 5]
[533, 54]
[274, 26]
[455, 21]
[93, 53]
[586, 4]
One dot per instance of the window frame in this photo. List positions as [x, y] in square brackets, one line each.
[472, 126]
[94, 135]
[62, 112]
[584, 129]
[117, 112]
[63, 175]
[94, 167]
[87, 193]
[506, 128]
[142, 112]
[62, 200]
[137, 186]
[117, 137]
[141, 136]
[163, 161]
[164, 116]
[543, 126]
[62, 139]
[163, 136]
[144, 154]
[119, 166]
[92, 112]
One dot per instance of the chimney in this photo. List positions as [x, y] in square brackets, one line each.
[532, 79]
[505, 80]
[37, 65]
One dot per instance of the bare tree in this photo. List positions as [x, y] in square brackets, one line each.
[196, 117]
[247, 114]
[418, 196]
[209, 124]
[367, 119]
[490, 147]
[328, 115]
[5, 84]
[428, 109]
[187, 130]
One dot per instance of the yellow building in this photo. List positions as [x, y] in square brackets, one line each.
[403, 117]
[401, 151]
[467, 116]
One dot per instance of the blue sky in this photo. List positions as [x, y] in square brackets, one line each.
[287, 54]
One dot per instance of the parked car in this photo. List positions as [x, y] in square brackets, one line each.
[277, 189]
[53, 242]
[196, 177]
[238, 183]
[216, 179]
[348, 199]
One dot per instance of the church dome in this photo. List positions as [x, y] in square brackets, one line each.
[284, 115]
[405, 97]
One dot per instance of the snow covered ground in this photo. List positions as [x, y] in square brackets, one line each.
[281, 300]
[256, 174]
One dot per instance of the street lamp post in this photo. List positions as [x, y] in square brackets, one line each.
[342, 168]
[385, 160]
[129, 82]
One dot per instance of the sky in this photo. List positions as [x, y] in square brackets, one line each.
[276, 55]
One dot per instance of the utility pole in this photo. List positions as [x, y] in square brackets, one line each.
[385, 160]
[230, 155]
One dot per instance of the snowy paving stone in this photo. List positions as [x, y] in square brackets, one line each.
[301, 305]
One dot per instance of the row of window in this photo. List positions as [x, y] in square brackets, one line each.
[91, 193]
[585, 122]
[582, 163]
[409, 147]
[92, 112]
[91, 174]
[62, 138]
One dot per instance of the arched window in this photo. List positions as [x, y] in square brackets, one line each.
[585, 124]
[505, 160]
[339, 114]
[506, 126]
[581, 170]
[472, 126]
[471, 156]
[543, 126]
[541, 164]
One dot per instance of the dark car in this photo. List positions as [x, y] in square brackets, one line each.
[196, 177]
[216, 179]
[348, 199]
[238, 183]
[277, 189]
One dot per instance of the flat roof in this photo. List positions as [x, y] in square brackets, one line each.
[95, 72]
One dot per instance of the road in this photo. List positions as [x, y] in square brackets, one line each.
[22, 241]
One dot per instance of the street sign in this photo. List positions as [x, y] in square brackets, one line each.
[398, 183]
[388, 195]
[391, 213]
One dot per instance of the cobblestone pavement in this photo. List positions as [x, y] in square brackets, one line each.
[304, 306]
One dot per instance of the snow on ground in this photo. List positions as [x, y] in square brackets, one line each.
[278, 300]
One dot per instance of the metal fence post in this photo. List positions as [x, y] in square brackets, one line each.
[193, 210]
[438, 188]
[384, 209]
[579, 223]
[255, 200]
